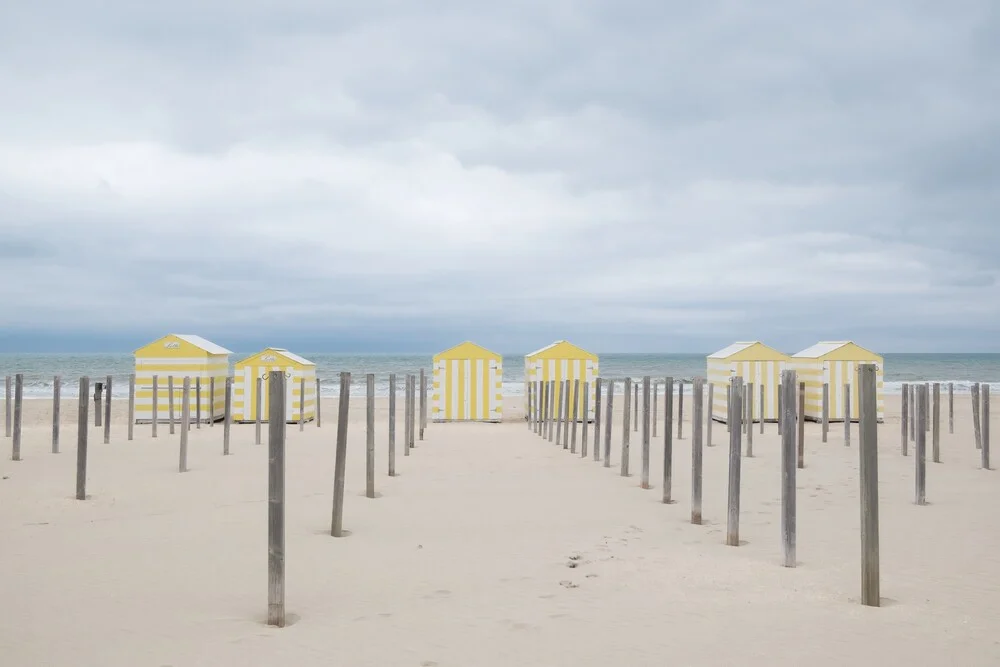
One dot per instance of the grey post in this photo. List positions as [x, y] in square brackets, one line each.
[155, 414]
[7, 397]
[107, 410]
[913, 411]
[801, 422]
[608, 414]
[82, 426]
[542, 403]
[574, 415]
[708, 414]
[562, 430]
[340, 464]
[423, 402]
[626, 415]
[788, 463]
[392, 424]
[259, 407]
[98, 403]
[586, 420]
[826, 409]
[644, 479]
[847, 414]
[781, 408]
[197, 402]
[936, 426]
[559, 411]
[976, 423]
[18, 399]
[56, 391]
[370, 435]
[697, 452]
[302, 404]
[653, 412]
[761, 406]
[276, 500]
[319, 405]
[735, 461]
[635, 407]
[904, 418]
[668, 445]
[551, 386]
[406, 414]
[749, 429]
[543, 428]
[227, 415]
[745, 415]
[566, 397]
[597, 419]
[411, 437]
[986, 426]
[680, 409]
[927, 421]
[920, 448]
[170, 403]
[868, 437]
[211, 401]
[185, 424]
[528, 416]
[131, 406]
[951, 407]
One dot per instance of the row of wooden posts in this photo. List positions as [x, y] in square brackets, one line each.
[561, 423]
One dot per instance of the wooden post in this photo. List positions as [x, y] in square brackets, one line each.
[697, 452]
[635, 407]
[340, 464]
[745, 415]
[826, 409]
[913, 411]
[211, 401]
[7, 397]
[729, 406]
[185, 424]
[197, 402]
[82, 428]
[18, 400]
[407, 388]
[561, 413]
[227, 415]
[868, 430]
[607, 423]
[749, 429]
[936, 426]
[788, 463]
[586, 420]
[574, 415]
[644, 479]
[626, 416]
[131, 406]
[680, 409]
[668, 445]
[259, 407]
[927, 421]
[565, 413]
[412, 428]
[423, 402]
[597, 419]
[847, 414]
[781, 408]
[920, 449]
[951, 407]
[976, 423]
[370, 436]
[762, 411]
[546, 424]
[551, 409]
[542, 403]
[156, 406]
[528, 416]
[276, 499]
[302, 404]
[392, 424]
[985, 412]
[653, 409]
[319, 404]
[170, 403]
[98, 403]
[56, 404]
[801, 422]
[735, 461]
[107, 410]
[709, 414]
[904, 418]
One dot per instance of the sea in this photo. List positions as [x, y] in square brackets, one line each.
[39, 370]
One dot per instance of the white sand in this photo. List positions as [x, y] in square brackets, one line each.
[463, 558]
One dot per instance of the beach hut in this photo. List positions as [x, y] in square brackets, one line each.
[180, 356]
[560, 361]
[754, 362]
[836, 363]
[468, 384]
[259, 365]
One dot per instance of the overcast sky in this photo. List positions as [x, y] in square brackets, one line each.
[400, 176]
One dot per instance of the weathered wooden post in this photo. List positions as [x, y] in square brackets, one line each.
[370, 435]
[170, 404]
[107, 410]
[211, 401]
[565, 413]
[558, 415]
[131, 406]
[951, 407]
[197, 402]
[920, 449]
[528, 416]
[407, 389]
[340, 464]
[56, 391]
[927, 420]
[986, 425]
[635, 407]
[749, 426]
[868, 448]
[319, 405]
[552, 404]
[708, 414]
[423, 402]
[227, 415]
[597, 419]
[787, 418]
[745, 398]
[644, 479]
[801, 422]
[781, 408]
[185, 424]
[735, 462]
[762, 411]
[847, 414]
[607, 423]
[575, 415]
[697, 452]
[82, 426]
[156, 407]
[976, 422]
[653, 408]
[543, 397]
[259, 407]
[7, 398]
[936, 426]
[680, 409]
[18, 400]
[411, 428]
[913, 411]
[392, 424]
[585, 427]
[275, 499]
[826, 409]
[668, 442]
[627, 414]
[98, 403]
[904, 419]
[302, 404]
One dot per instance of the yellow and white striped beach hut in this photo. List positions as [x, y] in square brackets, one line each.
[754, 362]
[259, 365]
[468, 384]
[180, 356]
[560, 361]
[836, 363]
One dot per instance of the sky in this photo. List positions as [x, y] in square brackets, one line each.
[632, 175]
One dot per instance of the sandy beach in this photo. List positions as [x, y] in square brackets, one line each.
[465, 557]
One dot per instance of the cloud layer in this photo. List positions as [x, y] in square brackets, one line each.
[633, 175]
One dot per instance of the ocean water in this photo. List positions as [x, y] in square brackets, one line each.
[39, 369]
